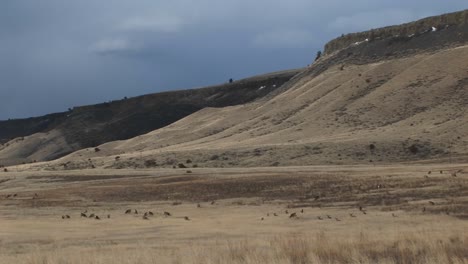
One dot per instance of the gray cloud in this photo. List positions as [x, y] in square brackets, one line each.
[158, 23]
[57, 54]
[284, 38]
[114, 45]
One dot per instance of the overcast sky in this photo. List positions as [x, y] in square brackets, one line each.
[56, 54]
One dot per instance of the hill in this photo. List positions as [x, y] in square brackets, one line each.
[396, 99]
[55, 135]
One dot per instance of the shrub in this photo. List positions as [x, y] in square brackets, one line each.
[97, 149]
[413, 149]
[150, 163]
[181, 166]
[319, 54]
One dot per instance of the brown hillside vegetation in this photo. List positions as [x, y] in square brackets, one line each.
[53, 136]
[413, 28]
[399, 109]
[396, 97]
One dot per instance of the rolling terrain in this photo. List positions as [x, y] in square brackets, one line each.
[52, 136]
[351, 107]
[387, 98]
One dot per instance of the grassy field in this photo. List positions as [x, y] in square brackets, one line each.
[347, 214]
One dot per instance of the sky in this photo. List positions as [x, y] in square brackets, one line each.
[57, 54]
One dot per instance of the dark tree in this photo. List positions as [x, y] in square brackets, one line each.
[319, 54]
[231, 80]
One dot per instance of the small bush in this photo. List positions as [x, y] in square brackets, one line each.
[188, 161]
[319, 54]
[414, 149]
[181, 166]
[97, 149]
[150, 163]
[275, 164]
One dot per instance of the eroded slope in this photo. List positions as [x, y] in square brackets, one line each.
[402, 109]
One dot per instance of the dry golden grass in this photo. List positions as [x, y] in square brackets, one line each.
[393, 230]
[322, 248]
[364, 248]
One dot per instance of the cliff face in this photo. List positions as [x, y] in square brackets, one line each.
[442, 22]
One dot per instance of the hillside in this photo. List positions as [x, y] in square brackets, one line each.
[398, 98]
[52, 136]
[390, 100]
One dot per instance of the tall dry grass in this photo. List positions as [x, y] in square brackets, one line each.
[292, 248]
[298, 249]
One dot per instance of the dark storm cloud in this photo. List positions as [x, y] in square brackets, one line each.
[57, 54]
